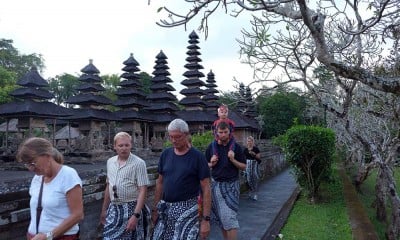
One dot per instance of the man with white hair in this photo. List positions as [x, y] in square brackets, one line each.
[183, 175]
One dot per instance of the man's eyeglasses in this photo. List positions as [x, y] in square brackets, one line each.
[176, 138]
[30, 165]
[114, 188]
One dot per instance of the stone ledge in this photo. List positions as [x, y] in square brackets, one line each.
[280, 220]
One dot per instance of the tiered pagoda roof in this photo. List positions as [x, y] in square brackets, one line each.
[251, 110]
[194, 111]
[246, 107]
[131, 99]
[193, 83]
[210, 98]
[31, 99]
[161, 100]
[89, 97]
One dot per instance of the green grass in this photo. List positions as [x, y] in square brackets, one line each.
[325, 220]
[367, 197]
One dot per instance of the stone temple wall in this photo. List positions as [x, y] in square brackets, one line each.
[14, 197]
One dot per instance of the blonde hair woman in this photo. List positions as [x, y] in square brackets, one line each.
[56, 203]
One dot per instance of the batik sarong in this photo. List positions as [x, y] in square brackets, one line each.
[225, 203]
[117, 218]
[252, 174]
[177, 220]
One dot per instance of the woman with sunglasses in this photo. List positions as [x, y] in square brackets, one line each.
[56, 204]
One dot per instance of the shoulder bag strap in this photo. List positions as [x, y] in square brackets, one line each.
[39, 207]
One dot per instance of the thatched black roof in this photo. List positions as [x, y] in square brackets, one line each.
[131, 82]
[192, 101]
[92, 114]
[164, 117]
[161, 87]
[32, 79]
[192, 91]
[240, 120]
[90, 87]
[193, 59]
[193, 37]
[161, 78]
[125, 115]
[211, 80]
[193, 82]
[210, 91]
[193, 46]
[210, 97]
[161, 71]
[88, 99]
[129, 92]
[193, 65]
[193, 74]
[162, 107]
[131, 61]
[133, 92]
[130, 68]
[90, 78]
[31, 93]
[90, 68]
[32, 108]
[161, 96]
[127, 102]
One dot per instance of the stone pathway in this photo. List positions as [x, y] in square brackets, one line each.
[264, 218]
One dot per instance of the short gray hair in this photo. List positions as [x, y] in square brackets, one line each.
[178, 125]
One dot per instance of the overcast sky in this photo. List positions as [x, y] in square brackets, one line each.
[70, 32]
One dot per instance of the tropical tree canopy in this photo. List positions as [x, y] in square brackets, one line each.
[12, 60]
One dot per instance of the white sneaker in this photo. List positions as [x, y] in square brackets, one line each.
[255, 197]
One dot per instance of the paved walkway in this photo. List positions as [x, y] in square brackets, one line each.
[264, 218]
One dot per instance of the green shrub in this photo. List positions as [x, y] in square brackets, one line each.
[199, 141]
[310, 151]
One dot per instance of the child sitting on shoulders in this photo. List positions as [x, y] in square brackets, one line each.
[223, 112]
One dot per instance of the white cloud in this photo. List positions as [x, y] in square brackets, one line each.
[69, 33]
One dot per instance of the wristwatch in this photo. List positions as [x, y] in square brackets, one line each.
[206, 218]
[137, 215]
[49, 235]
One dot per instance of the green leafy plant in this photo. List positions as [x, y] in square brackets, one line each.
[199, 140]
[310, 151]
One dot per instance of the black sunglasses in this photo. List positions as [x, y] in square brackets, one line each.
[115, 191]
